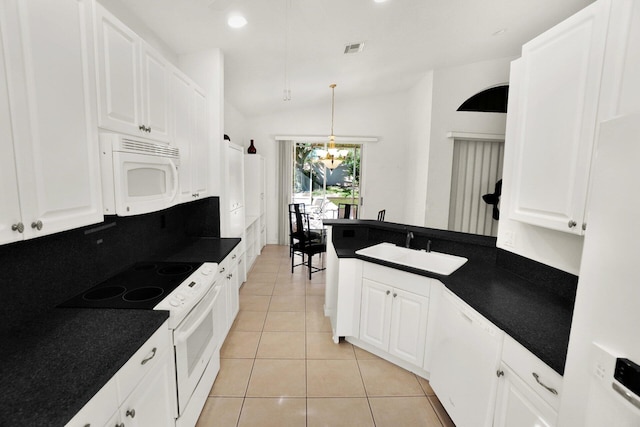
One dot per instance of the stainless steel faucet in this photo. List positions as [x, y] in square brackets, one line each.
[409, 237]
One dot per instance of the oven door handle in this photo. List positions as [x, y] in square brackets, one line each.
[176, 179]
[184, 335]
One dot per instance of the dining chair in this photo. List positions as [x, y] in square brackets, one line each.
[347, 211]
[305, 242]
[298, 222]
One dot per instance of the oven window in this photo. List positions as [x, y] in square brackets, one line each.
[143, 182]
[198, 341]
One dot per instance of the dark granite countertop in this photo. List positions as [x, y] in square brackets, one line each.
[536, 317]
[51, 366]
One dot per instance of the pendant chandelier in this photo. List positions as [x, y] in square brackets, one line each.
[333, 157]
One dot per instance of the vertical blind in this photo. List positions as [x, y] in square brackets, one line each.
[477, 166]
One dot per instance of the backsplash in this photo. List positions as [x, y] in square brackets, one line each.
[38, 274]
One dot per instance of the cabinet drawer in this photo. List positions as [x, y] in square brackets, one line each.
[143, 361]
[527, 366]
[397, 278]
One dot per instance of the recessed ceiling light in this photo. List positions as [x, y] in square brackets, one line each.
[379, 1]
[237, 21]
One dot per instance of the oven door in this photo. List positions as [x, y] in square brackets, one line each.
[143, 183]
[195, 341]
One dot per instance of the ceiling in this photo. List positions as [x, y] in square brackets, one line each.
[403, 40]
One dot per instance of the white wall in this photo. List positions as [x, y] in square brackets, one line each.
[235, 125]
[451, 87]
[383, 164]
[419, 112]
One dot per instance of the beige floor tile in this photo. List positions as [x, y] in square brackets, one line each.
[289, 289]
[317, 322]
[316, 288]
[334, 378]
[320, 345]
[364, 354]
[333, 412]
[426, 387]
[273, 412]
[249, 321]
[382, 378]
[264, 265]
[281, 345]
[281, 321]
[264, 277]
[443, 416]
[287, 303]
[315, 303]
[233, 378]
[220, 411]
[256, 288]
[254, 302]
[240, 345]
[403, 411]
[278, 378]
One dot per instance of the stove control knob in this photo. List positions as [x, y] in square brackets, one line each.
[180, 297]
[174, 303]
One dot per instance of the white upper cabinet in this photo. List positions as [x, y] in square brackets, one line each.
[133, 81]
[49, 118]
[190, 135]
[557, 103]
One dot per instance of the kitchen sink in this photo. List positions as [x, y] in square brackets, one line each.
[435, 262]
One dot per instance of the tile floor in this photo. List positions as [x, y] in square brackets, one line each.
[280, 367]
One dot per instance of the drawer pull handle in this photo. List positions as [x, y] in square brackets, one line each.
[499, 373]
[153, 354]
[131, 413]
[551, 390]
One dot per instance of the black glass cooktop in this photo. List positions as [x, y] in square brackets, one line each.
[143, 286]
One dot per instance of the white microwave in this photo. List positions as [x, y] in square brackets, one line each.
[138, 176]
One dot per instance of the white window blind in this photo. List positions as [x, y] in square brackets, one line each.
[477, 166]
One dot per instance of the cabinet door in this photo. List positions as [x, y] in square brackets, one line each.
[559, 90]
[233, 296]
[408, 326]
[375, 314]
[200, 146]
[120, 104]
[518, 405]
[153, 402]
[155, 84]
[235, 174]
[182, 97]
[10, 215]
[53, 114]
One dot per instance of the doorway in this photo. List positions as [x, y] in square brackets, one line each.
[322, 190]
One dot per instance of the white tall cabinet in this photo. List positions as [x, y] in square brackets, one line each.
[49, 139]
[255, 205]
[557, 84]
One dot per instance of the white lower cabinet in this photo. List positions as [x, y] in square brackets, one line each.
[141, 394]
[528, 391]
[518, 405]
[152, 403]
[392, 318]
[230, 280]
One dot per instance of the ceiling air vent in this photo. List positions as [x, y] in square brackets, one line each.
[354, 47]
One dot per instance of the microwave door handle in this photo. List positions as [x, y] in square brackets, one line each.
[182, 337]
[174, 172]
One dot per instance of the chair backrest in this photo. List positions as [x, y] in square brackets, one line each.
[381, 214]
[296, 222]
[347, 211]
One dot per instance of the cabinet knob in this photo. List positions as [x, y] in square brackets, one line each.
[131, 413]
[572, 223]
[499, 373]
[37, 225]
[584, 226]
[141, 127]
[395, 295]
[19, 227]
[120, 425]
[388, 292]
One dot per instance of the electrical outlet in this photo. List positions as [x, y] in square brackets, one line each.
[509, 238]
[603, 362]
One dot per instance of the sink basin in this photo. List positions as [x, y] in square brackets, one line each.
[435, 262]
